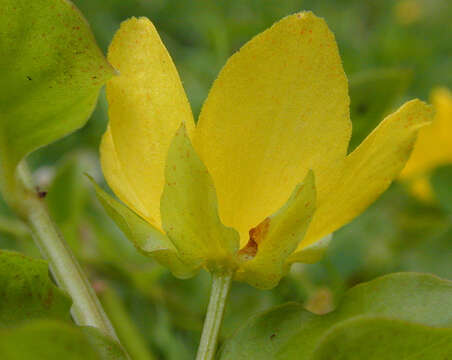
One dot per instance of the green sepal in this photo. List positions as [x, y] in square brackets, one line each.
[146, 238]
[189, 209]
[278, 236]
[51, 71]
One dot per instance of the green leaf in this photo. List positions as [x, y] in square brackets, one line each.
[441, 180]
[146, 238]
[291, 332]
[52, 340]
[373, 94]
[278, 236]
[26, 291]
[389, 339]
[51, 70]
[189, 208]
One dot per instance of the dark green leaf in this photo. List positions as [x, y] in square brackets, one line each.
[26, 291]
[51, 340]
[290, 332]
[389, 339]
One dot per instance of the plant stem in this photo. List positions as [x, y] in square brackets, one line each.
[86, 309]
[221, 283]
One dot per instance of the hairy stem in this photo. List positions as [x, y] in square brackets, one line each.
[221, 283]
[86, 309]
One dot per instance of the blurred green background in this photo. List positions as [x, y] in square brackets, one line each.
[391, 51]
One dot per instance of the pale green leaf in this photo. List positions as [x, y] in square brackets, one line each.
[51, 70]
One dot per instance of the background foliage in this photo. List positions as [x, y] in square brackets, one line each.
[391, 51]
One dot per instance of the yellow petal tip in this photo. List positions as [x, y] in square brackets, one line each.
[417, 112]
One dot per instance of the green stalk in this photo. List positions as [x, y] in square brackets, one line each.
[86, 309]
[221, 284]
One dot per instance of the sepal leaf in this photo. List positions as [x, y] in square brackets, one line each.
[278, 236]
[189, 209]
[146, 238]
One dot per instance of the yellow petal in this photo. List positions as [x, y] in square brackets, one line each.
[434, 144]
[279, 107]
[146, 105]
[115, 175]
[367, 171]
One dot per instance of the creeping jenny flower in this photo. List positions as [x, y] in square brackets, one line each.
[264, 177]
[433, 147]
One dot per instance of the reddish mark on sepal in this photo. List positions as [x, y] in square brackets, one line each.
[257, 235]
[249, 250]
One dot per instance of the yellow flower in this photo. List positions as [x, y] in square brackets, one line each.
[433, 147]
[237, 190]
